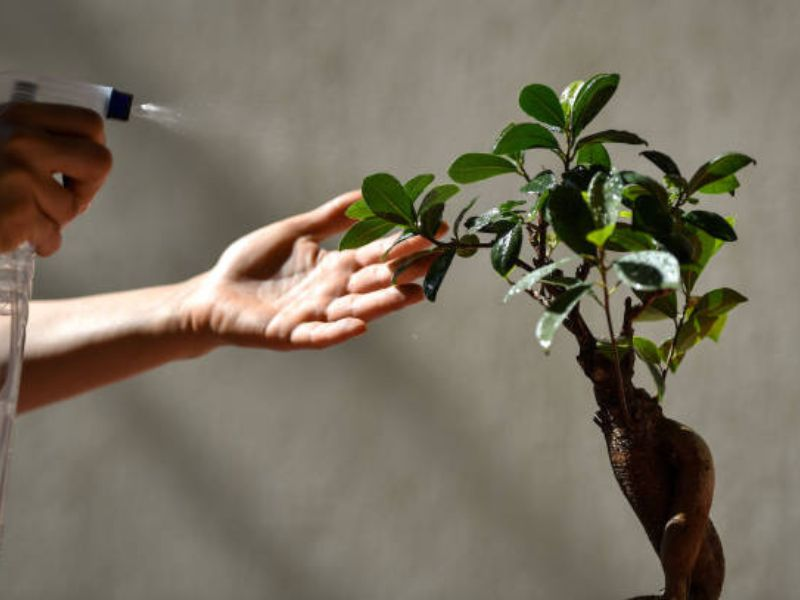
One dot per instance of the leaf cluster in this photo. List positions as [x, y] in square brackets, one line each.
[633, 231]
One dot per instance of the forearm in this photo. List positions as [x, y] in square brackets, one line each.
[78, 344]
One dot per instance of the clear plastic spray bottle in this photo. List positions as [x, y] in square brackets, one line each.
[16, 267]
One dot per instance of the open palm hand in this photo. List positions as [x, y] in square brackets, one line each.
[278, 288]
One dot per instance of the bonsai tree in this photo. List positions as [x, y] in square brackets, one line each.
[601, 238]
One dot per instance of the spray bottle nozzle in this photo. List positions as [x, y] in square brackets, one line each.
[119, 105]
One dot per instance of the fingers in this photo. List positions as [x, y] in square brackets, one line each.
[377, 250]
[328, 219]
[83, 162]
[374, 304]
[320, 334]
[381, 275]
[56, 118]
[20, 217]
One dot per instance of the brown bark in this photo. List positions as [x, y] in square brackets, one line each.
[665, 471]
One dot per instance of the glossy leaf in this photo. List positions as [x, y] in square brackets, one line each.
[652, 216]
[719, 324]
[559, 310]
[663, 162]
[531, 279]
[613, 136]
[718, 302]
[663, 307]
[358, 211]
[571, 218]
[505, 250]
[726, 185]
[524, 136]
[598, 237]
[627, 239]
[658, 378]
[637, 185]
[648, 270]
[468, 245]
[436, 273]
[437, 196]
[475, 167]
[718, 168]
[541, 102]
[388, 199]
[592, 97]
[409, 261]
[365, 232]
[593, 154]
[646, 350]
[707, 247]
[462, 213]
[405, 236]
[568, 96]
[712, 223]
[541, 183]
[431, 219]
[416, 185]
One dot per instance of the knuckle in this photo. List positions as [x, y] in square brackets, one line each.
[20, 145]
[92, 121]
[103, 158]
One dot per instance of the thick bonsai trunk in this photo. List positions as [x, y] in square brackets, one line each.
[666, 472]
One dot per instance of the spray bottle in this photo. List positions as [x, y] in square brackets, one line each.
[16, 267]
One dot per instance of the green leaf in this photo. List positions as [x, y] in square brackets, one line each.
[365, 232]
[433, 280]
[658, 379]
[718, 168]
[409, 261]
[568, 96]
[726, 185]
[707, 247]
[431, 219]
[541, 183]
[614, 136]
[406, 235]
[712, 223]
[648, 270]
[637, 185]
[605, 198]
[517, 138]
[663, 162]
[718, 302]
[663, 307]
[465, 251]
[388, 199]
[559, 310]
[646, 350]
[358, 211]
[531, 279]
[598, 237]
[652, 216]
[593, 154]
[571, 218]
[505, 250]
[437, 196]
[592, 97]
[416, 185]
[626, 239]
[462, 214]
[719, 325]
[476, 166]
[541, 102]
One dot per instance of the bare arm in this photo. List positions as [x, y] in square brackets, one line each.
[274, 288]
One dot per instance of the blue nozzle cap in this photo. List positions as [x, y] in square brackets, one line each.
[119, 105]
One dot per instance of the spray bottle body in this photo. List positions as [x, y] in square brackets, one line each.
[17, 266]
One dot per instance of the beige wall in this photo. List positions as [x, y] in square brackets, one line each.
[441, 456]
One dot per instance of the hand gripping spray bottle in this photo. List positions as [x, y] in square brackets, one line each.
[16, 267]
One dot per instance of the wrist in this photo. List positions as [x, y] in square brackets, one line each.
[182, 318]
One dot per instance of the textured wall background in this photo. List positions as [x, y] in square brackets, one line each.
[441, 456]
